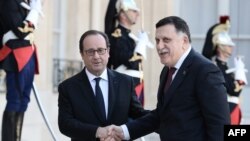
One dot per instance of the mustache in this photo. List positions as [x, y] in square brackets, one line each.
[162, 51]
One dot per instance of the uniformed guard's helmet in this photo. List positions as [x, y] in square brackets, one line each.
[217, 34]
[126, 5]
[224, 25]
[222, 38]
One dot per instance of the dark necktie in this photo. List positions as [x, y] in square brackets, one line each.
[169, 78]
[99, 98]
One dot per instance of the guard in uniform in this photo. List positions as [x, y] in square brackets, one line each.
[19, 60]
[120, 17]
[218, 47]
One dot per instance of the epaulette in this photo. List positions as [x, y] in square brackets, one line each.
[135, 57]
[117, 33]
[27, 28]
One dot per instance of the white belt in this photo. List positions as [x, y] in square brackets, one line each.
[134, 73]
[233, 99]
[10, 36]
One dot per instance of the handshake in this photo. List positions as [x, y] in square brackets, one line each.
[110, 133]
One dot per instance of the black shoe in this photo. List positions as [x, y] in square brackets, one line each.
[8, 126]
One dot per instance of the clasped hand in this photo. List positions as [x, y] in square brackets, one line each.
[110, 133]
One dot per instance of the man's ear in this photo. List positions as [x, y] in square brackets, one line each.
[185, 42]
[185, 38]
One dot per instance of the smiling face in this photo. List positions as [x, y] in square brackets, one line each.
[170, 44]
[95, 62]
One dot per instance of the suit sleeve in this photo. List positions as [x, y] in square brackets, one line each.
[144, 125]
[211, 94]
[69, 125]
[144, 122]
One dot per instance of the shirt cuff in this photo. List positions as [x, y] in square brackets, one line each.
[125, 132]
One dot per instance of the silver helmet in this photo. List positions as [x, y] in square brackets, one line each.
[126, 5]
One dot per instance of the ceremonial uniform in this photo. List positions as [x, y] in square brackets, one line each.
[217, 40]
[233, 90]
[122, 55]
[19, 60]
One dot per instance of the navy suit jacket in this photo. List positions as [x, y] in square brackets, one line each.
[194, 108]
[79, 117]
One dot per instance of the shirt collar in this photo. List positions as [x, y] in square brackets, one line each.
[183, 57]
[103, 76]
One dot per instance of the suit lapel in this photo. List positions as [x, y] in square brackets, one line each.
[88, 93]
[182, 72]
[163, 80]
[113, 90]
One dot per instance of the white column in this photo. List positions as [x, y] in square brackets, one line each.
[95, 17]
[176, 7]
[63, 25]
[223, 7]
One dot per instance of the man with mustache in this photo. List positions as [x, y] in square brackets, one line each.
[193, 107]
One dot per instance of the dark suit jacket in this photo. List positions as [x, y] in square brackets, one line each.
[194, 108]
[78, 115]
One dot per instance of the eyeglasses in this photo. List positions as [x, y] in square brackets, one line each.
[100, 51]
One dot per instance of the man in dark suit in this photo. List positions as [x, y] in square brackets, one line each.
[194, 107]
[81, 115]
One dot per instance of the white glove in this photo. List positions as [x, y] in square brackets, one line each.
[240, 71]
[142, 43]
[36, 4]
[36, 10]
